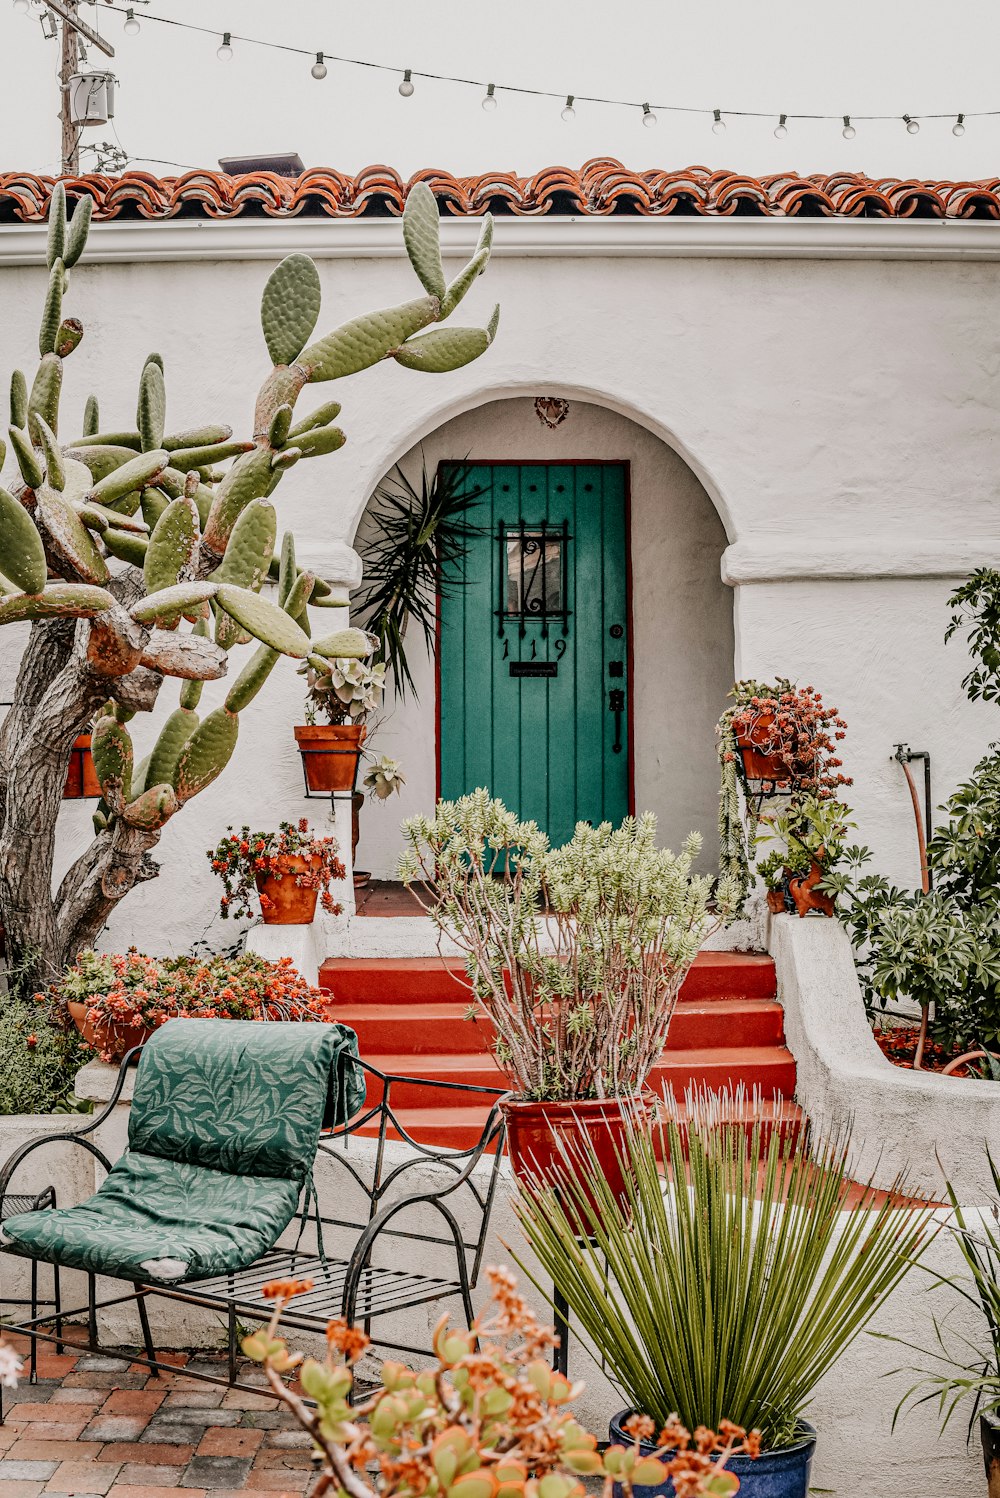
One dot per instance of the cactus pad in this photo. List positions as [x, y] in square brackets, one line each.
[151, 412]
[167, 750]
[18, 399]
[52, 311]
[347, 644]
[270, 625]
[69, 536]
[135, 474]
[422, 237]
[206, 753]
[358, 344]
[45, 391]
[54, 471]
[61, 601]
[126, 546]
[169, 603]
[250, 680]
[22, 554]
[319, 440]
[56, 238]
[289, 307]
[251, 545]
[172, 544]
[321, 417]
[152, 809]
[247, 480]
[79, 228]
[27, 460]
[111, 747]
[443, 349]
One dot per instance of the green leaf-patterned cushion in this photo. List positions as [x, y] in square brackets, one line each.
[245, 1097]
[161, 1220]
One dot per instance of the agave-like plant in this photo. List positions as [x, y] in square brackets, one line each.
[733, 1277]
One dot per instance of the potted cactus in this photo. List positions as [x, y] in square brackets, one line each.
[138, 555]
[343, 687]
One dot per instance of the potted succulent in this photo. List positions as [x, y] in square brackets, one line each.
[343, 688]
[812, 834]
[777, 739]
[737, 1270]
[488, 1419]
[117, 999]
[575, 954]
[288, 871]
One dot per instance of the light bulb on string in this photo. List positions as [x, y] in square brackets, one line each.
[131, 24]
[781, 128]
[406, 87]
[489, 98]
[648, 117]
[318, 69]
[225, 51]
[718, 123]
[848, 131]
[912, 126]
[959, 126]
[568, 112]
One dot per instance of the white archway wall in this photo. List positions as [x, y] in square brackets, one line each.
[682, 620]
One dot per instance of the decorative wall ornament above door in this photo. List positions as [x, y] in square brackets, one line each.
[551, 410]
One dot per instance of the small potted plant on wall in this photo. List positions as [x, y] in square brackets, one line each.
[575, 955]
[812, 834]
[285, 872]
[343, 688]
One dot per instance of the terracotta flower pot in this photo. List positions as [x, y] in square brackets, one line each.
[776, 901]
[806, 896]
[534, 1129]
[989, 1434]
[758, 764]
[106, 1036]
[81, 777]
[330, 754]
[361, 876]
[285, 902]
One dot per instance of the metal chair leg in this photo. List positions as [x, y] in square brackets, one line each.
[232, 1345]
[147, 1335]
[33, 1355]
[92, 1310]
[57, 1302]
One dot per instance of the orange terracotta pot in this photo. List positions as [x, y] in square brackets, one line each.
[105, 1036]
[802, 889]
[81, 777]
[758, 764]
[330, 754]
[285, 902]
[535, 1129]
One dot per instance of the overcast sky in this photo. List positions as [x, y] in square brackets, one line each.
[177, 103]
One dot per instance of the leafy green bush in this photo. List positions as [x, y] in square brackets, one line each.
[38, 1060]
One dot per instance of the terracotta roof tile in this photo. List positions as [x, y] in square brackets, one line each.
[601, 187]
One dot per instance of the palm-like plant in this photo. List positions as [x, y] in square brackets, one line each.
[415, 556]
[731, 1280]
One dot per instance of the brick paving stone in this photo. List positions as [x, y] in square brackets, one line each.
[78, 1397]
[133, 1401]
[53, 1430]
[239, 1399]
[294, 1437]
[105, 1427]
[279, 1481]
[80, 1477]
[269, 1419]
[224, 1441]
[13, 1489]
[296, 1457]
[196, 1399]
[193, 1415]
[27, 1449]
[164, 1454]
[56, 1364]
[98, 1362]
[26, 1471]
[27, 1409]
[81, 1379]
[167, 1432]
[136, 1475]
[141, 1490]
[216, 1472]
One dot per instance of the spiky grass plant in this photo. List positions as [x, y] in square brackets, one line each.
[733, 1277]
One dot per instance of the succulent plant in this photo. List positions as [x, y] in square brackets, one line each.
[138, 554]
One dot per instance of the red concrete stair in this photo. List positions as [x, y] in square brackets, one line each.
[409, 1015]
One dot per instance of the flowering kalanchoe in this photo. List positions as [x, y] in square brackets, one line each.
[795, 726]
[384, 777]
[345, 690]
[10, 1366]
[241, 857]
[491, 1420]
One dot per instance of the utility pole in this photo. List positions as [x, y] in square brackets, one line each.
[70, 65]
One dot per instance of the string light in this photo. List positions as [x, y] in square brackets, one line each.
[132, 27]
[568, 112]
[648, 117]
[848, 131]
[490, 100]
[781, 129]
[318, 69]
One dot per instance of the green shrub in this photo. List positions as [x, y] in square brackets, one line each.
[38, 1060]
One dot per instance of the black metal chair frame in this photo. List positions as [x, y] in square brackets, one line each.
[354, 1289]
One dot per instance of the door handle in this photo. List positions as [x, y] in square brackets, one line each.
[616, 705]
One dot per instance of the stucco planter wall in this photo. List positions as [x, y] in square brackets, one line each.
[931, 1128]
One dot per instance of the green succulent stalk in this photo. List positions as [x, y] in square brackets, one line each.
[139, 554]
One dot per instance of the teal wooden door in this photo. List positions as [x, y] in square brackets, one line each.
[534, 647]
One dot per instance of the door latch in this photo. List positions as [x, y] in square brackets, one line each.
[616, 705]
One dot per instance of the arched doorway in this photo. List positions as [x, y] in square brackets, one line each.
[631, 545]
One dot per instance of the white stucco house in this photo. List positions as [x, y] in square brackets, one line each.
[778, 446]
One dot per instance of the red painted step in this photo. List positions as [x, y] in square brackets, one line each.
[410, 1017]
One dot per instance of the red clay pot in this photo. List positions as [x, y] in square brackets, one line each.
[757, 763]
[806, 896]
[288, 902]
[330, 754]
[776, 901]
[81, 777]
[105, 1035]
[534, 1128]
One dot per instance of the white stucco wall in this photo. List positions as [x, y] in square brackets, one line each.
[681, 627]
[839, 412]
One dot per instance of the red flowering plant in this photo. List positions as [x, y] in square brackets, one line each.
[490, 1420]
[130, 991]
[241, 857]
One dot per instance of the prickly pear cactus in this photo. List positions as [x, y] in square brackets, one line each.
[138, 554]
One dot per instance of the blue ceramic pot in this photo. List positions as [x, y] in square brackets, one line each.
[773, 1474]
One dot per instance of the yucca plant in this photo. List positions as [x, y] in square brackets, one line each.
[733, 1276]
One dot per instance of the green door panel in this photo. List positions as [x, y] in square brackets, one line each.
[547, 744]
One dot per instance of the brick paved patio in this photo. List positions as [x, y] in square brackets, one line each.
[99, 1425]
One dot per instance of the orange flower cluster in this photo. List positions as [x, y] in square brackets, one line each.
[795, 726]
[241, 857]
[285, 1290]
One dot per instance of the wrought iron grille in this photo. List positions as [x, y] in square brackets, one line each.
[533, 575]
